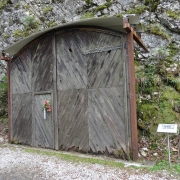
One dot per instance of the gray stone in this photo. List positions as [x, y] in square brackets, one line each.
[143, 153]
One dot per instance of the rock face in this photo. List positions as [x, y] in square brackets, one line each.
[21, 18]
[161, 19]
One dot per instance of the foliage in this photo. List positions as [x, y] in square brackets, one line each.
[119, 15]
[51, 24]
[29, 22]
[26, 6]
[90, 2]
[19, 33]
[88, 15]
[164, 165]
[3, 97]
[17, 6]
[103, 6]
[2, 4]
[173, 14]
[47, 9]
[136, 10]
[63, 21]
[158, 101]
[98, 8]
[6, 35]
[152, 4]
[158, 30]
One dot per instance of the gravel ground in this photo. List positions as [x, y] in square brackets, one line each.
[16, 164]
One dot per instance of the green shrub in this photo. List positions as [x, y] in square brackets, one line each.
[3, 91]
[2, 4]
[173, 14]
[51, 24]
[47, 9]
[152, 4]
[158, 30]
[137, 10]
[30, 22]
[88, 15]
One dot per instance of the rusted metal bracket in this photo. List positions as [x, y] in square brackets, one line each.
[3, 57]
[136, 37]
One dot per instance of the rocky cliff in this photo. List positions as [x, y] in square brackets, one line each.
[157, 72]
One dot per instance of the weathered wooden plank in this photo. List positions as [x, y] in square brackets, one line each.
[94, 40]
[44, 128]
[71, 65]
[106, 120]
[56, 141]
[42, 64]
[73, 120]
[105, 69]
[21, 118]
[21, 73]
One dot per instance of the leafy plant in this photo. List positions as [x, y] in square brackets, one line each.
[88, 15]
[17, 6]
[47, 9]
[90, 2]
[152, 4]
[158, 30]
[51, 24]
[2, 4]
[30, 22]
[3, 99]
[6, 35]
[174, 14]
[18, 33]
[26, 6]
[136, 10]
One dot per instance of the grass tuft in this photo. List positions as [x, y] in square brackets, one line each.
[76, 159]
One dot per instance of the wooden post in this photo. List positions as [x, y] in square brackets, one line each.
[56, 140]
[133, 114]
[132, 35]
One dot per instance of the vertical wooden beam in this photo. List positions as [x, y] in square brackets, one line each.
[133, 115]
[56, 141]
[9, 103]
[33, 143]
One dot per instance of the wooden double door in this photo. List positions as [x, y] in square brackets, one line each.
[83, 72]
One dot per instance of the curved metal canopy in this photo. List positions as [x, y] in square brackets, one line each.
[114, 23]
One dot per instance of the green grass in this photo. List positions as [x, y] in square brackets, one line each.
[76, 159]
[164, 165]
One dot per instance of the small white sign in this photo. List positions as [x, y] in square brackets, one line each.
[167, 128]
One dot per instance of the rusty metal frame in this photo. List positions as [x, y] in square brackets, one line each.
[4, 57]
[136, 37]
[133, 115]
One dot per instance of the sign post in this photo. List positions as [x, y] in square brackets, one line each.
[168, 128]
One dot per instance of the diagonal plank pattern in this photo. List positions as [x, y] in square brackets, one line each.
[22, 118]
[87, 68]
[91, 91]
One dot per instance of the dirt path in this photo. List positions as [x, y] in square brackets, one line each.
[16, 164]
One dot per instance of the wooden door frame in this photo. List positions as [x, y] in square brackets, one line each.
[33, 115]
